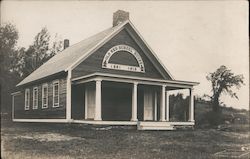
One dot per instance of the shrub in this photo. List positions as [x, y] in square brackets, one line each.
[214, 118]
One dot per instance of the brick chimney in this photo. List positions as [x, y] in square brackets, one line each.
[65, 43]
[119, 17]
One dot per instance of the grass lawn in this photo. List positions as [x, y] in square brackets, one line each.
[39, 140]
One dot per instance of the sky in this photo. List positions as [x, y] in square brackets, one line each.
[192, 38]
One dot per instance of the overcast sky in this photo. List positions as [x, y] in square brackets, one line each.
[191, 38]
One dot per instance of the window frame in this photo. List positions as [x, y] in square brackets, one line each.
[45, 85]
[35, 102]
[27, 99]
[55, 105]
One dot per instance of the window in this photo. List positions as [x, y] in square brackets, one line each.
[27, 99]
[45, 96]
[56, 94]
[35, 98]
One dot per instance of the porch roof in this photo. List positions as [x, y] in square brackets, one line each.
[171, 84]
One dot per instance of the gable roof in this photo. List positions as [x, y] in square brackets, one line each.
[73, 55]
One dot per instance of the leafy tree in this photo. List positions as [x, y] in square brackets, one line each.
[8, 51]
[223, 80]
[38, 53]
[8, 41]
[57, 45]
[16, 63]
[178, 107]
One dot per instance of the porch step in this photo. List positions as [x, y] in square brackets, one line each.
[154, 126]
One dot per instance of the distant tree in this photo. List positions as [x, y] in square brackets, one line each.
[8, 41]
[178, 107]
[16, 63]
[8, 51]
[38, 53]
[223, 80]
[57, 45]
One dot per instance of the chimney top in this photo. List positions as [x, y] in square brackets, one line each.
[119, 17]
[65, 43]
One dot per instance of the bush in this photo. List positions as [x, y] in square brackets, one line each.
[208, 119]
[214, 118]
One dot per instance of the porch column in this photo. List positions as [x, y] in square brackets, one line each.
[98, 100]
[191, 105]
[167, 106]
[155, 106]
[86, 102]
[68, 96]
[162, 110]
[134, 102]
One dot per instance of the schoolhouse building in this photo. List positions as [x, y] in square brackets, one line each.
[110, 78]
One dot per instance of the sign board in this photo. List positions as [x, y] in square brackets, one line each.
[132, 51]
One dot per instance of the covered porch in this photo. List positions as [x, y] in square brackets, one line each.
[106, 99]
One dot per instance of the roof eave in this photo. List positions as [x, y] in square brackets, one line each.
[26, 83]
[154, 54]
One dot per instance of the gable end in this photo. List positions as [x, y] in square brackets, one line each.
[94, 62]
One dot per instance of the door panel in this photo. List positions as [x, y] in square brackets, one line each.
[90, 102]
[148, 104]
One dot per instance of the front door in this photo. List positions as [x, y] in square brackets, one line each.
[148, 104]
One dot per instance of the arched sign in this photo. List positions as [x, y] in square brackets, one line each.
[132, 51]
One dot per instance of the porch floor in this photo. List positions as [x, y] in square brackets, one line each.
[96, 122]
[141, 125]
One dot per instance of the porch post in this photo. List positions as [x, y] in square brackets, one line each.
[68, 96]
[86, 102]
[98, 100]
[13, 107]
[155, 106]
[167, 106]
[134, 102]
[162, 110]
[191, 105]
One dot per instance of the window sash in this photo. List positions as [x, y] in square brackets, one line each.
[45, 96]
[56, 94]
[27, 99]
[35, 98]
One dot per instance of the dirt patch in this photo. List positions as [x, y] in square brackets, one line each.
[236, 135]
[47, 137]
[232, 153]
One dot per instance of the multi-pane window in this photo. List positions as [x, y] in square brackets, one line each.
[45, 96]
[56, 94]
[27, 99]
[35, 97]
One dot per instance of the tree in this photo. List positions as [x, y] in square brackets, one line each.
[8, 51]
[178, 107]
[16, 63]
[223, 80]
[8, 41]
[57, 45]
[38, 53]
